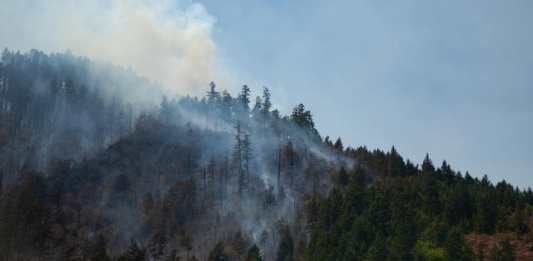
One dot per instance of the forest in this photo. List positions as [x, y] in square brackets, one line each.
[97, 163]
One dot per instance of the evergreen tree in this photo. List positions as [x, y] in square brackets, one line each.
[286, 247]
[186, 241]
[173, 256]
[217, 253]
[253, 254]
[343, 177]
[338, 145]
[267, 104]
[135, 253]
[427, 165]
[457, 247]
[290, 155]
[157, 244]
[303, 118]
[239, 243]
[247, 156]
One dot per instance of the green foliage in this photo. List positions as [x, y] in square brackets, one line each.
[135, 253]
[503, 252]
[217, 253]
[383, 208]
[303, 118]
[342, 177]
[456, 246]
[285, 247]
[413, 215]
[254, 254]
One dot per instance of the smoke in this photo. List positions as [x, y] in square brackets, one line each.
[165, 41]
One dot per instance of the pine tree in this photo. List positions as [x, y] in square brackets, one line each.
[239, 243]
[173, 256]
[135, 253]
[456, 246]
[338, 145]
[247, 156]
[286, 247]
[157, 245]
[267, 104]
[290, 154]
[343, 178]
[217, 253]
[253, 254]
[237, 160]
[186, 241]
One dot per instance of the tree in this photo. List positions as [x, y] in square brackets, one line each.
[290, 155]
[213, 97]
[217, 253]
[186, 241]
[504, 252]
[165, 109]
[239, 243]
[395, 166]
[147, 205]
[286, 247]
[338, 145]
[157, 244]
[213, 103]
[456, 246]
[342, 177]
[518, 224]
[253, 254]
[427, 165]
[242, 107]
[303, 118]
[267, 104]
[135, 253]
[173, 256]
[237, 160]
[247, 156]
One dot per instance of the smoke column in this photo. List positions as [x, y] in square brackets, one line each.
[166, 41]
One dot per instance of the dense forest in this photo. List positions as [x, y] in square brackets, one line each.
[96, 163]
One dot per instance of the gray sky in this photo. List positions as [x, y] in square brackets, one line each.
[450, 78]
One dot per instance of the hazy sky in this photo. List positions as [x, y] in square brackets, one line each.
[450, 78]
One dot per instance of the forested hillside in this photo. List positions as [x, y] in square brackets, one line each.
[91, 169]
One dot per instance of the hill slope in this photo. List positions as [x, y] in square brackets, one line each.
[86, 177]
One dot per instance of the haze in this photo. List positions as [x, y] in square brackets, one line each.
[450, 79]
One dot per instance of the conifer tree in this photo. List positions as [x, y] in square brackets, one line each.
[247, 156]
[286, 247]
[187, 242]
[217, 253]
[135, 253]
[239, 243]
[253, 254]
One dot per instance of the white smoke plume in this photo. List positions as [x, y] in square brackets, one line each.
[166, 41]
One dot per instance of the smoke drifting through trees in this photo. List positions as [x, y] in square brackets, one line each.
[86, 176]
[189, 168]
